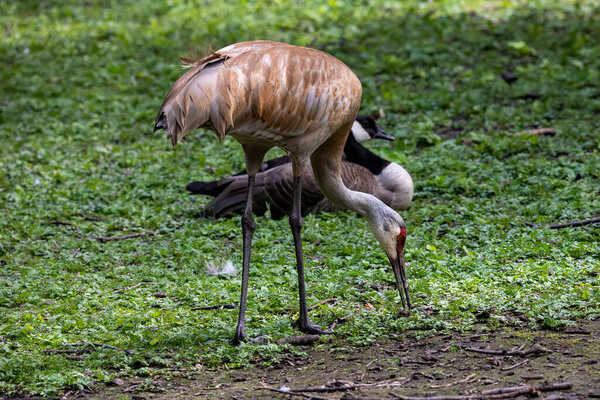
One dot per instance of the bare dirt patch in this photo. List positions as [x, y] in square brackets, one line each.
[413, 364]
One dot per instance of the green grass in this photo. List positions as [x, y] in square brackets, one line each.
[80, 83]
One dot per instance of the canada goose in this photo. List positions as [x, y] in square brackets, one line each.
[268, 94]
[362, 171]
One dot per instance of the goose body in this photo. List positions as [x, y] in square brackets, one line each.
[302, 100]
[362, 171]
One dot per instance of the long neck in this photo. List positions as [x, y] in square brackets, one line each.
[357, 154]
[326, 161]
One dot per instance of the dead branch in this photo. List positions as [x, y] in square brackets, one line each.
[538, 131]
[385, 383]
[575, 223]
[308, 396]
[544, 387]
[566, 224]
[133, 286]
[104, 239]
[330, 387]
[515, 365]
[320, 303]
[215, 307]
[497, 393]
[465, 380]
[535, 349]
[458, 397]
[304, 340]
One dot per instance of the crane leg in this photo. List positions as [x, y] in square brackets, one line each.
[248, 227]
[254, 156]
[296, 224]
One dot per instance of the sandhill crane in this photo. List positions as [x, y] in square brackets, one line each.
[364, 128]
[302, 100]
[362, 171]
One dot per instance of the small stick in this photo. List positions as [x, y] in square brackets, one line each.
[515, 366]
[321, 303]
[134, 286]
[498, 393]
[340, 320]
[458, 397]
[575, 223]
[544, 387]
[566, 224]
[538, 131]
[104, 239]
[328, 388]
[385, 383]
[535, 349]
[465, 380]
[304, 340]
[215, 307]
[308, 396]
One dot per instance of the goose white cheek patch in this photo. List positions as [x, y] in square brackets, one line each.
[360, 134]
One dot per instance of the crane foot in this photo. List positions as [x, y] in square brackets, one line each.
[242, 336]
[307, 327]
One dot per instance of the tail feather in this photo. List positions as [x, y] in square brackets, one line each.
[212, 188]
[191, 102]
[232, 199]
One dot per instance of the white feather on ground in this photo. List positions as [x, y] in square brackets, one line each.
[215, 269]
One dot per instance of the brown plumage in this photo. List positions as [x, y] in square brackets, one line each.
[302, 100]
[274, 187]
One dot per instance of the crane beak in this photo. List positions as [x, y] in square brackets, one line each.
[381, 134]
[400, 274]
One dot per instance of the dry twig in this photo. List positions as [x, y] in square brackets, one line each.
[215, 307]
[306, 395]
[538, 131]
[497, 393]
[566, 224]
[465, 380]
[515, 365]
[320, 303]
[535, 349]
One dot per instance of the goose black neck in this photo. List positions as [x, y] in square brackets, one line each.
[357, 154]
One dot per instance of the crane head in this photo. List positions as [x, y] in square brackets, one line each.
[390, 230]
